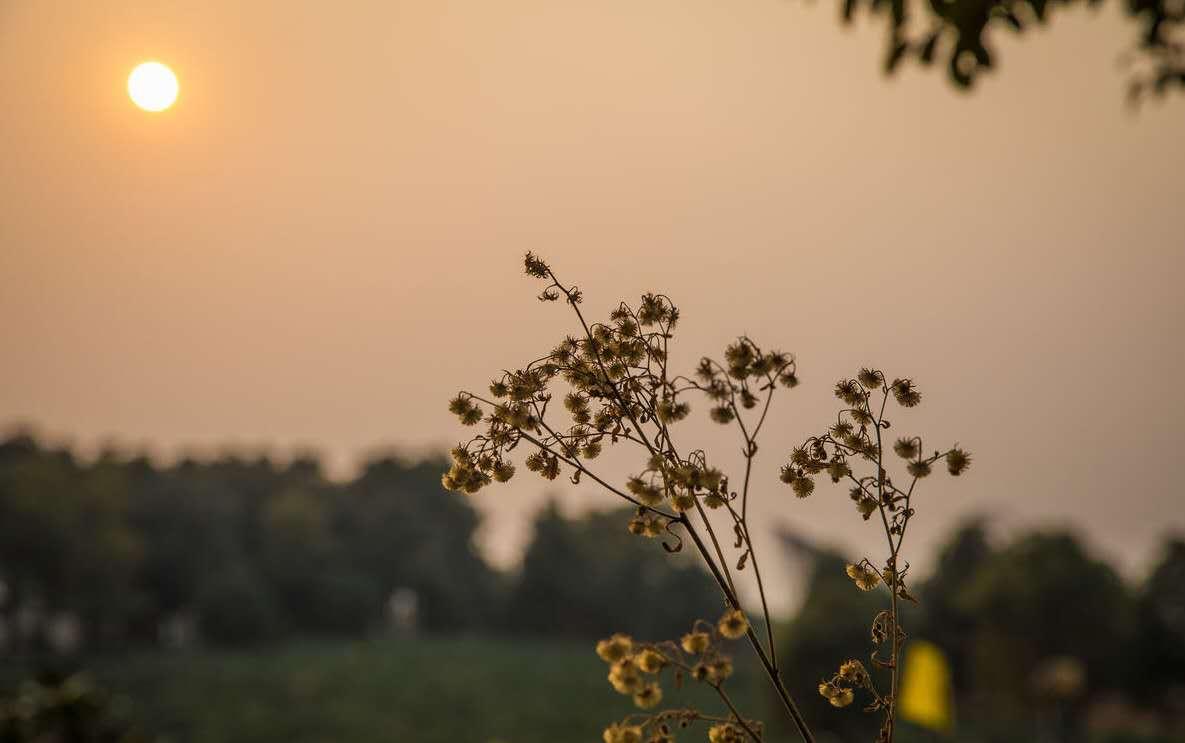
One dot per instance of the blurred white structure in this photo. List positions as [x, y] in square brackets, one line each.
[63, 632]
[177, 631]
[403, 609]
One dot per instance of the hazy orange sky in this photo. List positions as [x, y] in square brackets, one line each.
[320, 242]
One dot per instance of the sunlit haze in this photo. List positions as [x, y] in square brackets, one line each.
[323, 244]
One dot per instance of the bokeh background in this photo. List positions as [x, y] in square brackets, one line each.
[232, 327]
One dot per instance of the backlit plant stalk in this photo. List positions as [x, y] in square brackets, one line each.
[619, 391]
[856, 442]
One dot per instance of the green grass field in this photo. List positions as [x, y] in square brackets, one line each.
[424, 690]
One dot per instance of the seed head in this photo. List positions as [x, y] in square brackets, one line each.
[625, 677]
[906, 448]
[850, 392]
[957, 461]
[648, 696]
[615, 648]
[853, 672]
[720, 669]
[906, 393]
[838, 470]
[721, 414]
[870, 378]
[863, 576]
[622, 734]
[842, 698]
[866, 506]
[695, 642]
[650, 660]
[535, 266]
[503, 471]
[654, 526]
[551, 468]
[733, 624]
[803, 486]
[725, 733]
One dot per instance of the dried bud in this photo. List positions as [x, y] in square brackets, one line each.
[535, 266]
[615, 648]
[733, 624]
[850, 392]
[625, 677]
[957, 461]
[919, 468]
[721, 414]
[906, 448]
[725, 733]
[622, 734]
[842, 698]
[503, 471]
[906, 393]
[720, 669]
[651, 661]
[648, 696]
[853, 672]
[863, 576]
[803, 486]
[695, 642]
[870, 378]
[838, 470]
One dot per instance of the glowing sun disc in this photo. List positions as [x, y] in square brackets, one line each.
[152, 86]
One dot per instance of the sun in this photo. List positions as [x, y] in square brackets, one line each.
[152, 86]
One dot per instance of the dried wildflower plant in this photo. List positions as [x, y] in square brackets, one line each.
[853, 451]
[615, 388]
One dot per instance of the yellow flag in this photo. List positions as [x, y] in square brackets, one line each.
[926, 695]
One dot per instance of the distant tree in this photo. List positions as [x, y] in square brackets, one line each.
[587, 577]
[831, 623]
[946, 620]
[1161, 636]
[252, 547]
[190, 528]
[1040, 598]
[64, 538]
[401, 529]
[958, 34]
[237, 608]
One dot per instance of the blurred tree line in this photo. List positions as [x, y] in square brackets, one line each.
[253, 551]
[1040, 635]
[249, 550]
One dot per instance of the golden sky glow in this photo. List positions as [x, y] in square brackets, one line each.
[326, 246]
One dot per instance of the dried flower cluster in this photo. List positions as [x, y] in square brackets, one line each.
[635, 668]
[853, 450]
[614, 387]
